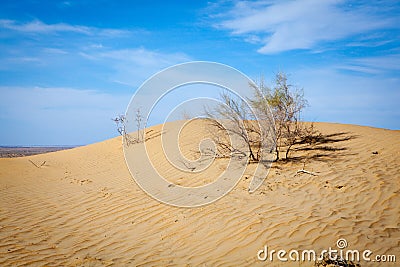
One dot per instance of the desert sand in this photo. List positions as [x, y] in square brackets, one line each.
[82, 207]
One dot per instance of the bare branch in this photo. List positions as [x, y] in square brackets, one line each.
[121, 122]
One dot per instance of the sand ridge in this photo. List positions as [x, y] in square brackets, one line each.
[82, 207]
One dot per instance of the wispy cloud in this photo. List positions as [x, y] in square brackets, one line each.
[145, 57]
[132, 66]
[372, 65]
[39, 27]
[389, 62]
[105, 55]
[287, 25]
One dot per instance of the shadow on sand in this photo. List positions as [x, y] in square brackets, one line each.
[321, 148]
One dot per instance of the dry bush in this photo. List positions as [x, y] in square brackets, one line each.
[270, 113]
[235, 118]
[121, 122]
[285, 102]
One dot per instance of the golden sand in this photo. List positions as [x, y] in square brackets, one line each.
[82, 207]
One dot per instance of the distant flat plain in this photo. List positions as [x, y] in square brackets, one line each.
[21, 151]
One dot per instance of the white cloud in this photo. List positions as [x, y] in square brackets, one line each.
[133, 66]
[101, 53]
[39, 27]
[372, 65]
[288, 25]
[144, 57]
[388, 62]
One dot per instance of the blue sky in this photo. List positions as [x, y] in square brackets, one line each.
[68, 67]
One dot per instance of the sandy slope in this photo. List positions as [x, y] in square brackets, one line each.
[82, 208]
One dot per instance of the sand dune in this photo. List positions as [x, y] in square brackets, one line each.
[80, 207]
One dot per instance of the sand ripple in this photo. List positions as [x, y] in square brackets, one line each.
[82, 208]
